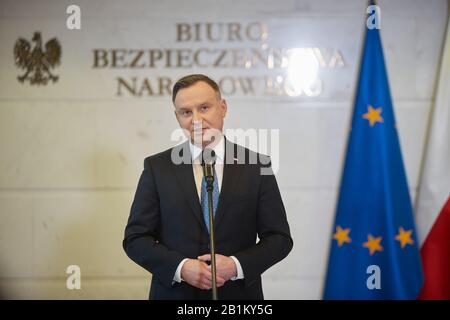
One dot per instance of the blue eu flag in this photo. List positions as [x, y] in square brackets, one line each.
[374, 251]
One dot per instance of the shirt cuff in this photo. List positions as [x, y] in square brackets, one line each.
[177, 276]
[240, 273]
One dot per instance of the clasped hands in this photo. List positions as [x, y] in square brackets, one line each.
[198, 273]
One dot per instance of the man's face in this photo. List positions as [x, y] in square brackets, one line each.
[199, 109]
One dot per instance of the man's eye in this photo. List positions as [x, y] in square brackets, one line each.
[204, 108]
[185, 113]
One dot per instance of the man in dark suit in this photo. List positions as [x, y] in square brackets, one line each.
[168, 228]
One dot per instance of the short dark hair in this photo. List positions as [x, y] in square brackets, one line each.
[190, 80]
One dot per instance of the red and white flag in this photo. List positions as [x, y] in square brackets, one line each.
[433, 203]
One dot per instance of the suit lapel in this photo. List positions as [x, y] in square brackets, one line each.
[231, 174]
[185, 177]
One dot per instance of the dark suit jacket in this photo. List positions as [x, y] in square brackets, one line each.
[166, 223]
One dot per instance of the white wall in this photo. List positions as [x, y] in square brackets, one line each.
[71, 152]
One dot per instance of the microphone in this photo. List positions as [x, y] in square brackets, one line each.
[208, 162]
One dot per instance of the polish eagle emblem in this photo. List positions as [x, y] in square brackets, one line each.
[37, 61]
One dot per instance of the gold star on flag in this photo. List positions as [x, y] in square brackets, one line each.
[373, 115]
[373, 244]
[404, 237]
[341, 236]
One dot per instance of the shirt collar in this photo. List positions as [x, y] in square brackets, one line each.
[219, 149]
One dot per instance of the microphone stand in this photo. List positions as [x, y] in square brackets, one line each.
[208, 172]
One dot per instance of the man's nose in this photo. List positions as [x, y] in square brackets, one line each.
[196, 116]
[197, 125]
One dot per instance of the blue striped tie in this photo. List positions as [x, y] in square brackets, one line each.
[204, 199]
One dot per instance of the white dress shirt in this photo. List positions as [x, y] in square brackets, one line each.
[196, 151]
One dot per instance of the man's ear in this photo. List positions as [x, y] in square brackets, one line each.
[223, 105]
